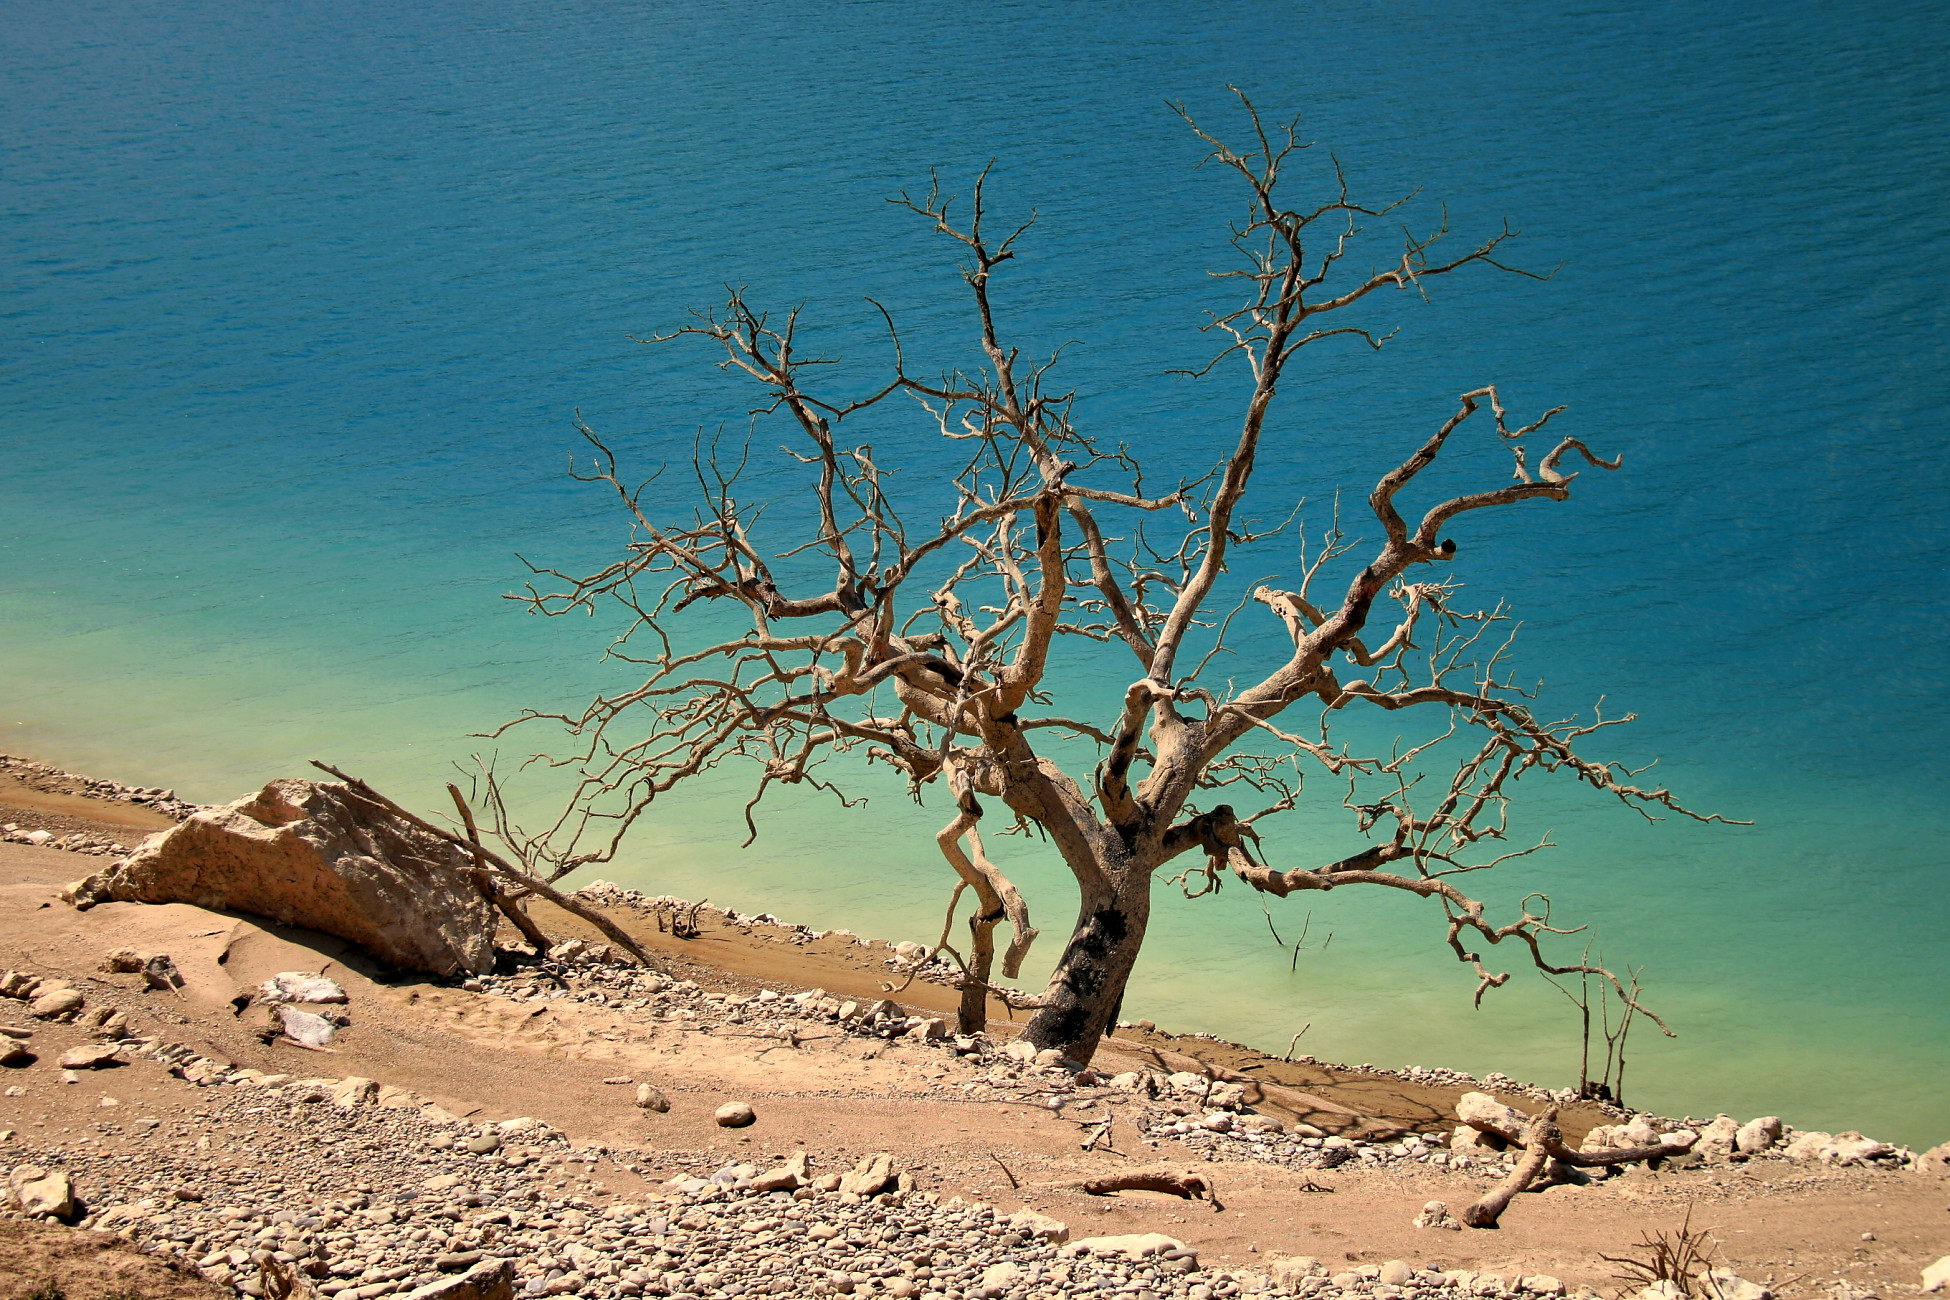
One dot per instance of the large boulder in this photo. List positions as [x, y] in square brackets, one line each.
[313, 854]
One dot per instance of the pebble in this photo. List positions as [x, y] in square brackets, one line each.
[734, 1114]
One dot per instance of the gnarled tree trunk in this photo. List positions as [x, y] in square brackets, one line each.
[1087, 987]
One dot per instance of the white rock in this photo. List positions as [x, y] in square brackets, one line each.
[870, 1176]
[1758, 1135]
[306, 1027]
[1728, 1285]
[1040, 1225]
[1937, 1276]
[300, 986]
[355, 1091]
[735, 1114]
[1541, 1284]
[1483, 1112]
[1000, 1277]
[1395, 1272]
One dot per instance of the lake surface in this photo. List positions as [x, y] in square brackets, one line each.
[299, 303]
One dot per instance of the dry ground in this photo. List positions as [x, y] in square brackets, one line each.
[490, 1058]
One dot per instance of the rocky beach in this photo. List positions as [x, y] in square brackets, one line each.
[201, 1101]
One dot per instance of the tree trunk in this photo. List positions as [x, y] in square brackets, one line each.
[973, 1016]
[1087, 986]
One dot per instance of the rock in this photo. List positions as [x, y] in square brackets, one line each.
[999, 1277]
[307, 1027]
[122, 961]
[828, 1182]
[870, 1176]
[567, 950]
[312, 854]
[1849, 1148]
[1040, 1225]
[1018, 1050]
[93, 1056]
[1937, 1276]
[1717, 1140]
[1137, 1245]
[933, 1029]
[1758, 1135]
[1486, 1114]
[491, 1279]
[1394, 1272]
[1289, 1271]
[1466, 1138]
[1728, 1285]
[42, 1193]
[1542, 1284]
[1436, 1214]
[1936, 1160]
[788, 1177]
[910, 951]
[40, 839]
[1218, 1121]
[15, 1053]
[484, 1143]
[56, 1002]
[299, 986]
[648, 1098]
[735, 1114]
[354, 1091]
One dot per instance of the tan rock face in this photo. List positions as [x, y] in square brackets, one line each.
[309, 853]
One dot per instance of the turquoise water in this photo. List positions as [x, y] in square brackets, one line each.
[298, 303]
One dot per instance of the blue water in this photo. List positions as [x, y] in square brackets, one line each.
[298, 303]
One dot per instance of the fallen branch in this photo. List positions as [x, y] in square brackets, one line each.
[1190, 1184]
[1542, 1142]
[483, 880]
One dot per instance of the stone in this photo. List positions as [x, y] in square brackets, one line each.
[313, 854]
[870, 1177]
[1486, 1114]
[40, 1192]
[307, 1027]
[484, 1143]
[491, 1279]
[1540, 1284]
[1728, 1285]
[40, 839]
[735, 1114]
[1936, 1160]
[1137, 1245]
[1758, 1135]
[1040, 1226]
[92, 1056]
[354, 1091]
[1466, 1138]
[1849, 1148]
[933, 1029]
[300, 986]
[14, 1053]
[1287, 1272]
[1395, 1272]
[648, 1098]
[999, 1277]
[1937, 1276]
[56, 1002]
[788, 1177]
[1717, 1140]
[1436, 1214]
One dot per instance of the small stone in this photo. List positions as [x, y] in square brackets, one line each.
[649, 1098]
[91, 1056]
[354, 1091]
[1436, 1214]
[484, 1143]
[13, 1053]
[306, 1027]
[1040, 1225]
[1937, 1276]
[870, 1176]
[1541, 1284]
[56, 1002]
[490, 1279]
[108, 1103]
[1395, 1272]
[735, 1114]
[618, 1078]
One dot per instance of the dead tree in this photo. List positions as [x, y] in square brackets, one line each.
[1545, 1154]
[932, 646]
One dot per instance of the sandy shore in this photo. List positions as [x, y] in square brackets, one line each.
[966, 1125]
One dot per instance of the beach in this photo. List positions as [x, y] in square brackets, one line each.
[972, 1125]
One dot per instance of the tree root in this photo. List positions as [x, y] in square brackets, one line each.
[1543, 1143]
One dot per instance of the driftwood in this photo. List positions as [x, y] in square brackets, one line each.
[1190, 1184]
[610, 930]
[1542, 1142]
[484, 881]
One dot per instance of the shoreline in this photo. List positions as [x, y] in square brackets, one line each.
[836, 957]
[586, 1194]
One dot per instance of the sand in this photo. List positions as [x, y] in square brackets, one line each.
[1797, 1227]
